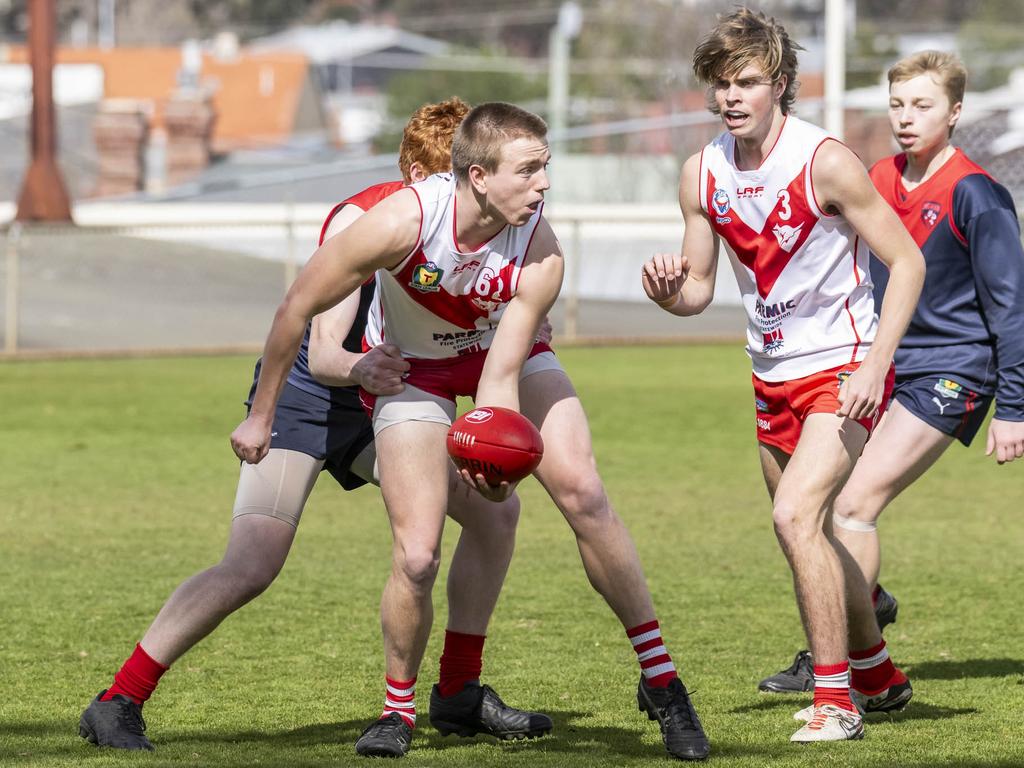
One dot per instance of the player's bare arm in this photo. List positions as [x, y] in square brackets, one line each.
[684, 284]
[378, 371]
[539, 284]
[379, 239]
[518, 330]
[841, 185]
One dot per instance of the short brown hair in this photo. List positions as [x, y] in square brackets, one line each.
[486, 129]
[745, 37]
[428, 135]
[947, 67]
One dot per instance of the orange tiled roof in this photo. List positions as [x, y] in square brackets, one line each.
[255, 95]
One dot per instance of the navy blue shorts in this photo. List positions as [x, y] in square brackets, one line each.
[946, 402]
[336, 432]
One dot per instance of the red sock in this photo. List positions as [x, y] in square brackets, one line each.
[137, 678]
[872, 671]
[461, 661]
[400, 697]
[874, 594]
[832, 685]
[650, 649]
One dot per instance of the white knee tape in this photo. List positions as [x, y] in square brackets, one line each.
[854, 525]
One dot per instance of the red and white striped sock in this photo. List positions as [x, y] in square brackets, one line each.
[655, 662]
[872, 671]
[400, 697]
[832, 685]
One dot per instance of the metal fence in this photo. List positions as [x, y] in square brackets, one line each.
[148, 279]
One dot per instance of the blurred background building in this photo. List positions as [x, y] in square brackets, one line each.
[267, 85]
[263, 113]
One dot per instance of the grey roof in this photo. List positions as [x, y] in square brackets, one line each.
[340, 41]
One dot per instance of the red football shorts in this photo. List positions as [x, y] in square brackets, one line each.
[782, 406]
[448, 377]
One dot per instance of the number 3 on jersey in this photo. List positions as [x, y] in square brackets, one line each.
[784, 211]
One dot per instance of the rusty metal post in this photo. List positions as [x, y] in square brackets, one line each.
[43, 194]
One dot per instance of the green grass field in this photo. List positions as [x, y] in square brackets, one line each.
[117, 480]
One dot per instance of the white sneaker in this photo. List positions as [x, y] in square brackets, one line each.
[829, 723]
[805, 714]
[892, 699]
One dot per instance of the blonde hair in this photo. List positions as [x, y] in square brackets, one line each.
[745, 37]
[947, 68]
[428, 136]
[486, 129]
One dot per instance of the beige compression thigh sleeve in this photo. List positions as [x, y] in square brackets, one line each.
[278, 486]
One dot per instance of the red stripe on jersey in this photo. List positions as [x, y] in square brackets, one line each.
[762, 252]
[814, 155]
[370, 196]
[328, 220]
[488, 292]
[700, 174]
[846, 304]
[364, 200]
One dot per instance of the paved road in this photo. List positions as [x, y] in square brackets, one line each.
[110, 292]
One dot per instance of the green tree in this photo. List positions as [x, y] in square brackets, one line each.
[409, 91]
[990, 43]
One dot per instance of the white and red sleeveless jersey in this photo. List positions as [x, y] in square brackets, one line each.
[803, 273]
[439, 302]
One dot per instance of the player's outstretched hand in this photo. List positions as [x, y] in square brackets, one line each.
[251, 440]
[860, 395]
[663, 276]
[493, 493]
[1006, 440]
[380, 370]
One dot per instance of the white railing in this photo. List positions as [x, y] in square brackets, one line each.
[604, 246]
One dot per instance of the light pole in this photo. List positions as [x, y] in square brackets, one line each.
[835, 65]
[570, 20]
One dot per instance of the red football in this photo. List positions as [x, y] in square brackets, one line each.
[498, 443]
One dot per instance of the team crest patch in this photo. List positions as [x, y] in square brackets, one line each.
[426, 277]
[843, 376]
[930, 212]
[761, 405]
[948, 388]
[721, 201]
